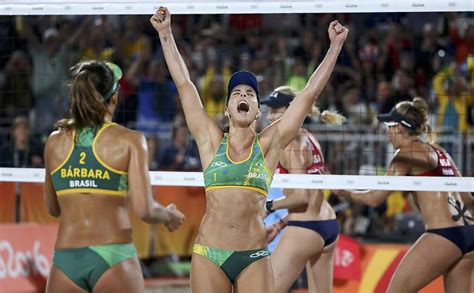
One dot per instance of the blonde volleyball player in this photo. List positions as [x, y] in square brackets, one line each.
[311, 227]
[446, 248]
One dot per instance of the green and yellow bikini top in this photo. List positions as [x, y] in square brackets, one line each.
[251, 173]
[84, 172]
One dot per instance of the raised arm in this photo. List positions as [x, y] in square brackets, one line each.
[202, 127]
[25, 31]
[292, 119]
[145, 207]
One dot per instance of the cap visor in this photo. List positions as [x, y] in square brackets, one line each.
[116, 70]
[387, 117]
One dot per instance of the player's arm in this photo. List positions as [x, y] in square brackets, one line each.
[399, 166]
[291, 121]
[297, 160]
[201, 125]
[50, 197]
[145, 207]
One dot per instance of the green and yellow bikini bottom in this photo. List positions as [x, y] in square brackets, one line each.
[231, 262]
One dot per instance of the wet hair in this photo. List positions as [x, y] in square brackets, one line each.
[91, 81]
[327, 117]
[417, 111]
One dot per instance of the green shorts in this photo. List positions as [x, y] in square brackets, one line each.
[231, 262]
[85, 265]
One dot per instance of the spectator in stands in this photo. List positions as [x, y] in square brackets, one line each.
[402, 90]
[464, 39]
[50, 73]
[134, 42]
[15, 94]
[212, 85]
[182, 153]
[430, 49]
[356, 108]
[101, 42]
[21, 150]
[454, 97]
[155, 96]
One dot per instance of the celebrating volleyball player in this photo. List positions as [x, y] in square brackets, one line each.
[312, 229]
[92, 165]
[230, 253]
[446, 248]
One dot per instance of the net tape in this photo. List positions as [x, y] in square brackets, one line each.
[401, 183]
[147, 7]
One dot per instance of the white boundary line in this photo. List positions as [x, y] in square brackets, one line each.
[402, 183]
[147, 7]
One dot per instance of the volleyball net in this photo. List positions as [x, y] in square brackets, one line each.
[396, 50]
[406, 49]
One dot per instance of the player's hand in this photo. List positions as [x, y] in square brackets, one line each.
[161, 20]
[272, 232]
[176, 218]
[337, 33]
[342, 193]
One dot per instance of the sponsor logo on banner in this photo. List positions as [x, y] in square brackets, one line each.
[347, 259]
[25, 256]
[14, 264]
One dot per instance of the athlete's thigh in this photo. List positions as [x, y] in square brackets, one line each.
[256, 278]
[296, 247]
[59, 282]
[207, 277]
[125, 276]
[322, 270]
[428, 258]
[459, 277]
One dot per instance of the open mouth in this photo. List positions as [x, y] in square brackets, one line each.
[243, 107]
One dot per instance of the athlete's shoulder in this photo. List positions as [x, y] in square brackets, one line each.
[135, 138]
[438, 147]
[403, 156]
[122, 131]
[59, 135]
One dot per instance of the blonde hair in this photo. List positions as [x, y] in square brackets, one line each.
[327, 117]
[417, 111]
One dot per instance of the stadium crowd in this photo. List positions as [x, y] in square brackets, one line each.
[386, 59]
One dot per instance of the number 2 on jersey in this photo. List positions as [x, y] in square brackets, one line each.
[82, 158]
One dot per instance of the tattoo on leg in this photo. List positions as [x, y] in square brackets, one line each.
[461, 211]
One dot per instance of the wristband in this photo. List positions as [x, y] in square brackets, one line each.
[269, 205]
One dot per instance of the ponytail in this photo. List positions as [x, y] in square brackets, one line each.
[417, 110]
[327, 117]
[90, 82]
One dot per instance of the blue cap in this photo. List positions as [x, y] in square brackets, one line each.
[277, 100]
[242, 77]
